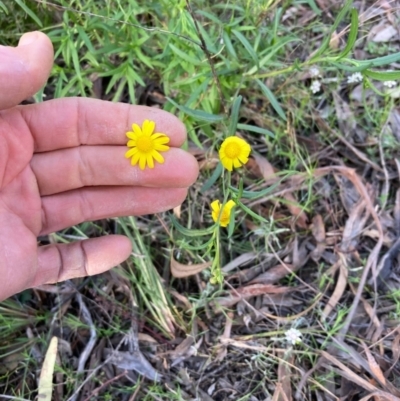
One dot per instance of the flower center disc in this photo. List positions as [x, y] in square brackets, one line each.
[232, 150]
[144, 144]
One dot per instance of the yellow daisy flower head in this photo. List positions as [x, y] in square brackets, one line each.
[234, 152]
[225, 214]
[145, 145]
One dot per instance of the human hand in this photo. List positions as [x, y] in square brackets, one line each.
[62, 162]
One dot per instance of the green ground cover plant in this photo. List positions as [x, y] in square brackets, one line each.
[297, 297]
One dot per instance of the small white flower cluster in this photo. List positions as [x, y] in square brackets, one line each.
[390, 84]
[293, 336]
[314, 72]
[315, 86]
[355, 78]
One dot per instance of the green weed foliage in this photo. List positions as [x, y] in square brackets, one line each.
[223, 68]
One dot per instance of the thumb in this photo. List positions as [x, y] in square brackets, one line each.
[24, 69]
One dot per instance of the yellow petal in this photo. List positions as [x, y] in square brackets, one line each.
[157, 156]
[136, 129]
[142, 162]
[227, 163]
[131, 143]
[159, 135]
[131, 135]
[131, 152]
[236, 163]
[135, 159]
[162, 140]
[215, 206]
[148, 127]
[161, 148]
[150, 161]
[229, 205]
[243, 159]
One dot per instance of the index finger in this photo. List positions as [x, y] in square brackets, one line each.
[70, 122]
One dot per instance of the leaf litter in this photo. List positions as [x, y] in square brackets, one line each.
[328, 266]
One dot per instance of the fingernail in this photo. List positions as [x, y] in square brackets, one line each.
[28, 38]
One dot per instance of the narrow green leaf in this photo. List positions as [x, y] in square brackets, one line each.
[207, 244]
[184, 56]
[214, 177]
[343, 12]
[29, 12]
[188, 232]
[382, 75]
[257, 130]
[228, 44]
[231, 226]
[348, 68]
[246, 45]
[198, 90]
[313, 6]
[234, 115]
[192, 135]
[2, 6]
[270, 53]
[380, 61]
[210, 45]
[199, 115]
[352, 35]
[251, 213]
[85, 38]
[271, 97]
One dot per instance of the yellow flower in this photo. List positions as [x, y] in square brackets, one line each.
[145, 145]
[234, 152]
[225, 214]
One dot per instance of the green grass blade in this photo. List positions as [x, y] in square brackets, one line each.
[246, 44]
[234, 115]
[3, 7]
[382, 75]
[352, 35]
[257, 130]
[272, 99]
[325, 44]
[29, 12]
[214, 177]
[198, 115]
[189, 232]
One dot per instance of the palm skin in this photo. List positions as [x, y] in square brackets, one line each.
[61, 163]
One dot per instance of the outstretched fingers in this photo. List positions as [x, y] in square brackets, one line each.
[86, 166]
[87, 204]
[24, 69]
[70, 122]
[61, 262]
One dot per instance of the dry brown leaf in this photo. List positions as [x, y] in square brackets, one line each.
[395, 351]
[274, 274]
[250, 291]
[180, 270]
[268, 172]
[348, 373]
[283, 389]
[335, 41]
[296, 211]
[240, 260]
[266, 169]
[375, 368]
[382, 33]
[339, 289]
[177, 211]
[318, 228]
[318, 231]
